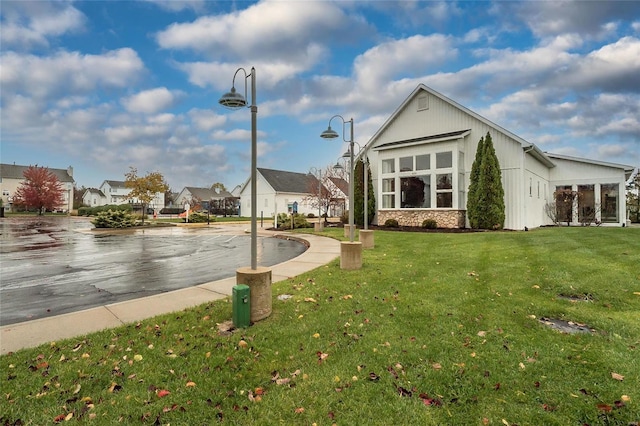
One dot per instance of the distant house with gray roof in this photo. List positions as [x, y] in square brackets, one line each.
[12, 176]
[279, 191]
[114, 192]
[203, 198]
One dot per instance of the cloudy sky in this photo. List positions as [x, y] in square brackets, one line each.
[105, 85]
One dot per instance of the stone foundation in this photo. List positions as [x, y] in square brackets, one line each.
[444, 218]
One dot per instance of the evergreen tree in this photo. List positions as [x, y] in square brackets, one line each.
[472, 198]
[490, 193]
[358, 195]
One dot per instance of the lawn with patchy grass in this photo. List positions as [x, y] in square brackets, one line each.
[435, 329]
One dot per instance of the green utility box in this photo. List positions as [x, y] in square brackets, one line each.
[241, 306]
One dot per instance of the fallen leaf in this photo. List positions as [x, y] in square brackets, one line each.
[404, 392]
[604, 407]
[485, 421]
[310, 299]
[299, 410]
[617, 376]
[283, 381]
[242, 344]
[162, 393]
[482, 333]
[436, 366]
[316, 335]
[625, 398]
[190, 385]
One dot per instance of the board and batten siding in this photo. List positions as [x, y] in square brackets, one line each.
[442, 117]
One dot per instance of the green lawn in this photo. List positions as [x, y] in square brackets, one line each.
[435, 329]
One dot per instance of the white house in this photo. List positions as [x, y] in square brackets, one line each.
[12, 176]
[114, 192]
[430, 143]
[280, 191]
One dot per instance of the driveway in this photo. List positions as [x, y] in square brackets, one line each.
[56, 265]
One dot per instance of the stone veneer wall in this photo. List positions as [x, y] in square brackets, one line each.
[444, 218]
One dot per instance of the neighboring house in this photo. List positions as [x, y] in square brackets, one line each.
[11, 176]
[114, 192]
[339, 188]
[93, 197]
[204, 197]
[279, 191]
[427, 147]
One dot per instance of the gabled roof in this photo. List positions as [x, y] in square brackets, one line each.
[282, 181]
[115, 183]
[341, 184]
[207, 193]
[93, 191]
[627, 169]
[13, 171]
[528, 146]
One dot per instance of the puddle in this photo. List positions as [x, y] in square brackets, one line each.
[568, 327]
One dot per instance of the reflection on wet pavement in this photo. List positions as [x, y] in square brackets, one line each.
[56, 265]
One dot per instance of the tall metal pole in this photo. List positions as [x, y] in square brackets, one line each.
[319, 190]
[365, 163]
[254, 166]
[351, 185]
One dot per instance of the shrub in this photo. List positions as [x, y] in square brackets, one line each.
[299, 221]
[344, 218]
[114, 219]
[429, 224]
[199, 218]
[93, 211]
[391, 223]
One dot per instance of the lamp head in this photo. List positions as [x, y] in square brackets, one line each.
[338, 166]
[232, 99]
[329, 134]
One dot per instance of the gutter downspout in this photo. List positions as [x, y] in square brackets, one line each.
[523, 191]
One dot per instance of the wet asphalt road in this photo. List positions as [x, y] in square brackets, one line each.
[54, 265]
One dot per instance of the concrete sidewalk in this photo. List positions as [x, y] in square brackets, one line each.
[13, 337]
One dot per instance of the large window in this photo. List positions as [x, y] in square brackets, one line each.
[411, 188]
[586, 203]
[444, 190]
[416, 192]
[609, 202]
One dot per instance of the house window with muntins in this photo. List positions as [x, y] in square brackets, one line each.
[588, 202]
[422, 181]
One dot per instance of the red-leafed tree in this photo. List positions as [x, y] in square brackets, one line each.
[41, 190]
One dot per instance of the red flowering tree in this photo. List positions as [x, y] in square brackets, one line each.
[41, 190]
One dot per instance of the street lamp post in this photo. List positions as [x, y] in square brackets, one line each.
[351, 253]
[332, 134]
[257, 278]
[235, 100]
